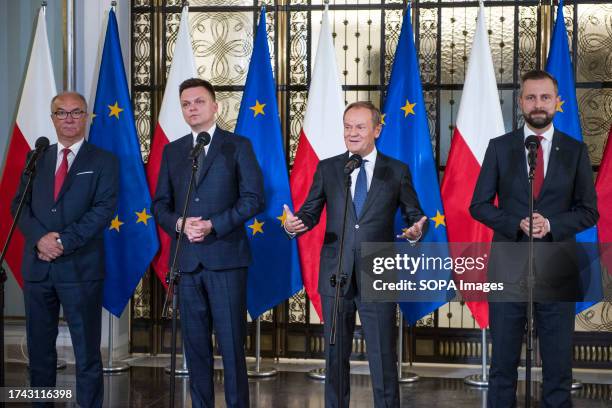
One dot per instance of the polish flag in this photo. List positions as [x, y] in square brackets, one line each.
[170, 126]
[321, 137]
[479, 119]
[604, 203]
[33, 121]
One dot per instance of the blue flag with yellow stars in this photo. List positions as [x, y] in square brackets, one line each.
[405, 137]
[130, 239]
[567, 120]
[274, 274]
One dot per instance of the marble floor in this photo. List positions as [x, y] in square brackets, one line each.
[146, 384]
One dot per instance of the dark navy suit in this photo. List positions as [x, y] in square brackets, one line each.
[568, 200]
[84, 207]
[390, 189]
[213, 284]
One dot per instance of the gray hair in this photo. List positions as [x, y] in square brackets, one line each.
[69, 93]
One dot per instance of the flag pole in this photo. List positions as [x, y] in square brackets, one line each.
[70, 46]
[482, 379]
[403, 377]
[258, 371]
[113, 367]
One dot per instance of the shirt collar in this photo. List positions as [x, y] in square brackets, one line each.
[371, 157]
[74, 148]
[548, 135]
[210, 131]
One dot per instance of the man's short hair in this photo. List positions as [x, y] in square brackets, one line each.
[538, 74]
[196, 82]
[69, 93]
[376, 116]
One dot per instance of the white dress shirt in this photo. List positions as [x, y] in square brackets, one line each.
[74, 150]
[369, 169]
[210, 131]
[546, 143]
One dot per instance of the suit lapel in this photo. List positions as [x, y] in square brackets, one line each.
[380, 172]
[46, 171]
[519, 157]
[340, 176]
[553, 163]
[214, 149]
[81, 159]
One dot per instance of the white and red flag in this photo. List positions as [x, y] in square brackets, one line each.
[33, 121]
[479, 119]
[170, 126]
[321, 137]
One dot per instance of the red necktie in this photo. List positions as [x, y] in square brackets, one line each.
[539, 173]
[61, 173]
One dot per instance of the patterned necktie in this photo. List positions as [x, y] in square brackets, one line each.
[61, 173]
[201, 158]
[361, 189]
[538, 179]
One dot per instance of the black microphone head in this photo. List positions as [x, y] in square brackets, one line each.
[352, 163]
[41, 143]
[532, 142]
[203, 138]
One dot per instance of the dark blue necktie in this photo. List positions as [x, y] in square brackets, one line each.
[361, 189]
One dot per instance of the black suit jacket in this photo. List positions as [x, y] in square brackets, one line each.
[229, 193]
[84, 207]
[567, 199]
[391, 188]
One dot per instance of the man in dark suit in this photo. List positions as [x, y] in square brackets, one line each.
[379, 187]
[72, 199]
[565, 204]
[215, 255]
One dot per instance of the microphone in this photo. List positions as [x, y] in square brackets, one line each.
[202, 140]
[354, 162]
[532, 143]
[41, 145]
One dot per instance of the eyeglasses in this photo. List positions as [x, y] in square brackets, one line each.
[75, 114]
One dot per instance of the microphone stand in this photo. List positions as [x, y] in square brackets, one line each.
[30, 171]
[530, 282]
[338, 281]
[173, 278]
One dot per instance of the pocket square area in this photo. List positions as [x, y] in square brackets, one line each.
[84, 172]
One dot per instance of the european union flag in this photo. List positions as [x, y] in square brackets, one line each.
[405, 136]
[131, 239]
[274, 274]
[567, 120]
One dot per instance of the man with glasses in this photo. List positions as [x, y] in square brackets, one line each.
[72, 199]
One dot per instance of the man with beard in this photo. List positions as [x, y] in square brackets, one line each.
[565, 203]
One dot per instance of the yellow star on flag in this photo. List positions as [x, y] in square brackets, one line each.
[258, 108]
[114, 110]
[256, 226]
[143, 216]
[93, 116]
[559, 106]
[439, 219]
[115, 223]
[282, 218]
[408, 108]
[382, 119]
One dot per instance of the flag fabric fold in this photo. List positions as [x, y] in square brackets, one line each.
[33, 121]
[604, 204]
[479, 119]
[274, 274]
[321, 137]
[170, 126]
[567, 120]
[405, 137]
[131, 239]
